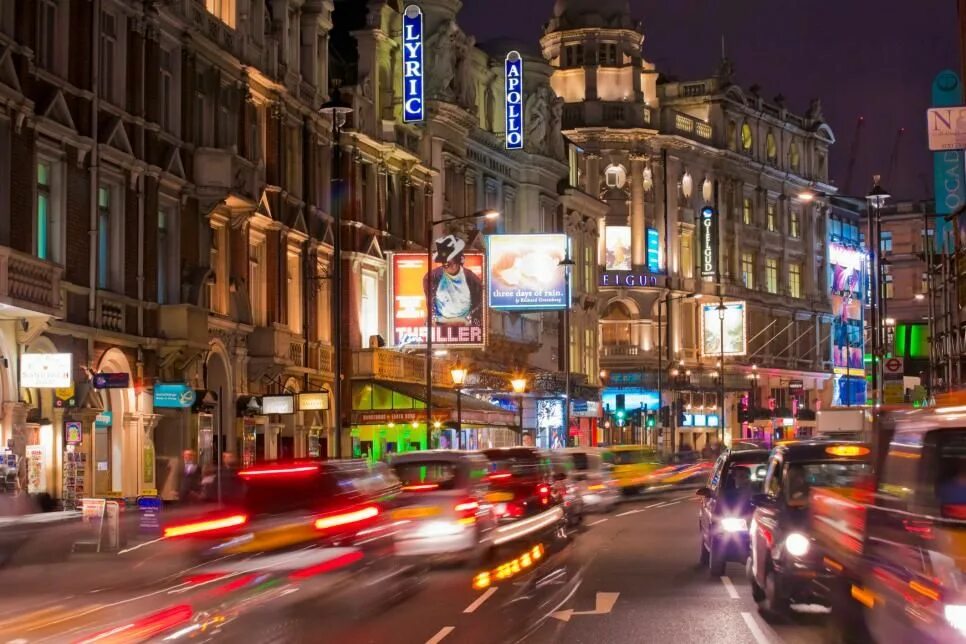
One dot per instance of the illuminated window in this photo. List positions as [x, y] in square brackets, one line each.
[794, 224]
[746, 211]
[888, 287]
[43, 209]
[687, 256]
[795, 280]
[607, 54]
[110, 234]
[747, 140]
[771, 274]
[924, 284]
[748, 270]
[772, 218]
[369, 307]
[885, 241]
[771, 148]
[218, 287]
[795, 157]
[732, 136]
[224, 10]
[573, 56]
[294, 295]
[257, 280]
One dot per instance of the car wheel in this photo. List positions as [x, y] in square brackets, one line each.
[756, 591]
[775, 604]
[716, 560]
[705, 555]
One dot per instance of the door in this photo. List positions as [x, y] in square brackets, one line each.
[765, 520]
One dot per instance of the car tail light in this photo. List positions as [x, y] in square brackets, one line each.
[508, 510]
[346, 518]
[420, 487]
[202, 527]
[466, 511]
[544, 491]
[295, 470]
[499, 476]
[597, 487]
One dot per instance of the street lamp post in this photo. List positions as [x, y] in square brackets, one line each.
[430, 314]
[660, 353]
[876, 200]
[721, 380]
[568, 264]
[519, 387]
[458, 374]
[337, 110]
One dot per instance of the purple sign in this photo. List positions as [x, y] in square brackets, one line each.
[111, 380]
[149, 511]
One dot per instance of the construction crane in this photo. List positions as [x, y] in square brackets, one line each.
[847, 188]
[894, 157]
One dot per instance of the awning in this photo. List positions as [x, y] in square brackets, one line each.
[474, 411]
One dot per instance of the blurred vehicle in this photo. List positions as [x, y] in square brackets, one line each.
[726, 507]
[785, 567]
[522, 492]
[593, 478]
[683, 471]
[566, 487]
[443, 510]
[632, 464]
[896, 547]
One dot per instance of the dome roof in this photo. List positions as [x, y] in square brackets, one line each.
[573, 14]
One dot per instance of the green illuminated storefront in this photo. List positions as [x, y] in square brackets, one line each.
[390, 417]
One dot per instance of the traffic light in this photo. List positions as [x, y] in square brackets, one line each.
[665, 416]
[651, 419]
[621, 414]
[620, 417]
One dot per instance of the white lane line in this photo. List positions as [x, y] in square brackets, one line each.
[670, 503]
[479, 600]
[653, 505]
[624, 514]
[755, 629]
[598, 521]
[730, 587]
[438, 637]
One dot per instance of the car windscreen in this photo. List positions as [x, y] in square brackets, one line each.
[629, 457]
[278, 493]
[443, 474]
[581, 461]
[518, 465]
[800, 478]
[951, 483]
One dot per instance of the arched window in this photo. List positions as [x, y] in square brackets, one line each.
[616, 327]
[795, 157]
[771, 147]
[732, 136]
[747, 140]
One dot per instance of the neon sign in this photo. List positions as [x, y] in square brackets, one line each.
[653, 251]
[412, 64]
[514, 101]
[708, 259]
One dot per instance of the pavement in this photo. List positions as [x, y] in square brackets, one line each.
[631, 575]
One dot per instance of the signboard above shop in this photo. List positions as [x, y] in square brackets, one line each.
[173, 395]
[627, 279]
[46, 370]
[284, 404]
[111, 380]
[947, 128]
[524, 272]
[313, 401]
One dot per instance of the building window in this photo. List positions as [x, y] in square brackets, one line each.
[324, 303]
[772, 219]
[109, 235]
[573, 56]
[771, 274]
[369, 307]
[294, 275]
[748, 270]
[218, 285]
[746, 211]
[44, 172]
[607, 54]
[257, 281]
[747, 140]
[794, 224]
[732, 136]
[46, 33]
[888, 287]
[771, 148]
[835, 228]
[924, 284]
[167, 86]
[224, 10]
[164, 252]
[795, 280]
[107, 55]
[687, 255]
[795, 157]
[885, 241]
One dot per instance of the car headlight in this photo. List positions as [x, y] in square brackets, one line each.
[733, 524]
[797, 544]
[956, 616]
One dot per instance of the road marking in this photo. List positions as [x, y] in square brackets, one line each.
[624, 514]
[598, 521]
[653, 505]
[671, 503]
[438, 637]
[603, 606]
[755, 629]
[479, 600]
[730, 587]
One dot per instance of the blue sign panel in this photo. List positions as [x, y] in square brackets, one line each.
[173, 395]
[111, 380]
[412, 45]
[149, 515]
[653, 251]
[514, 101]
[949, 169]
[709, 242]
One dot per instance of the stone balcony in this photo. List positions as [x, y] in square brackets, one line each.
[386, 364]
[219, 172]
[28, 286]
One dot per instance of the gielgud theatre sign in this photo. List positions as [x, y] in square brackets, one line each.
[628, 279]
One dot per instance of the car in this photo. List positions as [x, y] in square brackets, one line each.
[522, 491]
[566, 488]
[784, 568]
[632, 464]
[726, 507]
[443, 509]
[593, 478]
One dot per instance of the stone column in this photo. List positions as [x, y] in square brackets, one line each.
[592, 175]
[638, 233]
[15, 418]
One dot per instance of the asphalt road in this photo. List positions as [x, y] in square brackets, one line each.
[630, 576]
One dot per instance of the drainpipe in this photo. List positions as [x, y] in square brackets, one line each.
[94, 169]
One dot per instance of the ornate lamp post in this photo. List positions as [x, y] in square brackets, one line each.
[519, 386]
[458, 373]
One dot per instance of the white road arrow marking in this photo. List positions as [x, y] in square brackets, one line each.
[605, 604]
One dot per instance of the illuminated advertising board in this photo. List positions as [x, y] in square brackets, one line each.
[524, 272]
[514, 101]
[735, 331]
[46, 370]
[709, 234]
[847, 342]
[550, 423]
[617, 247]
[412, 59]
[653, 251]
[458, 296]
[847, 265]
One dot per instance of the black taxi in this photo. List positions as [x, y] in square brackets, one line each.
[784, 568]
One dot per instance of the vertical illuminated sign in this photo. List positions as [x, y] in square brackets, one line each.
[949, 166]
[412, 64]
[514, 101]
[653, 251]
[708, 238]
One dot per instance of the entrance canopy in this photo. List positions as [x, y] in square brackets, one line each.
[377, 402]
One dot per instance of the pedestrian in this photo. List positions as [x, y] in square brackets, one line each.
[189, 487]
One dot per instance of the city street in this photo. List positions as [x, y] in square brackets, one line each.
[646, 552]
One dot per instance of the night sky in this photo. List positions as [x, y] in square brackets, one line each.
[862, 58]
